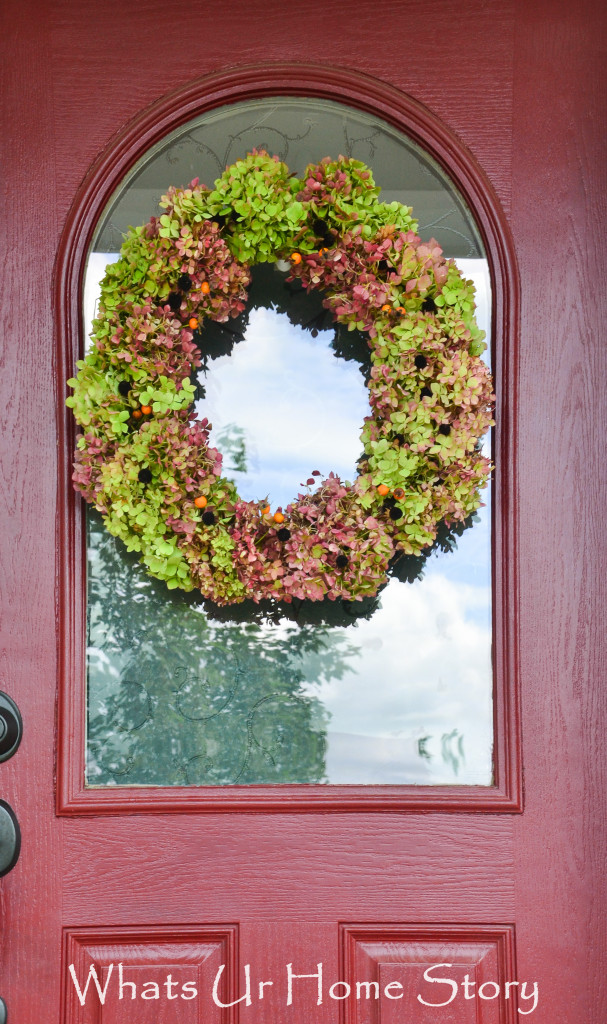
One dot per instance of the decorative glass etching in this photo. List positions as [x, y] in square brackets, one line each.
[392, 690]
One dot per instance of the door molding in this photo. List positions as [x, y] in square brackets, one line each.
[418, 123]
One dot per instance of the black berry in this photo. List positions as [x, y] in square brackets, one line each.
[383, 266]
[421, 362]
[124, 387]
[145, 475]
[342, 561]
[389, 503]
[399, 438]
[425, 393]
[396, 513]
[184, 282]
[283, 533]
[444, 429]
[320, 227]
[208, 517]
[174, 301]
[428, 305]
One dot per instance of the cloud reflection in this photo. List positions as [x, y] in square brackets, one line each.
[300, 408]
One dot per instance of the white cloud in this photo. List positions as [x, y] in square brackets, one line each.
[423, 669]
[300, 408]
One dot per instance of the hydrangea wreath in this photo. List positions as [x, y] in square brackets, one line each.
[147, 463]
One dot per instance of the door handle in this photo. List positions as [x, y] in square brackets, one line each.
[11, 730]
[10, 841]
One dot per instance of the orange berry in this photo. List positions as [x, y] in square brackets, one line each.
[205, 287]
[401, 309]
[193, 323]
[278, 517]
[200, 501]
[383, 490]
[386, 309]
[296, 257]
[137, 414]
[265, 511]
[146, 409]
[321, 252]
[398, 493]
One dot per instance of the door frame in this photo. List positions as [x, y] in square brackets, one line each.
[419, 124]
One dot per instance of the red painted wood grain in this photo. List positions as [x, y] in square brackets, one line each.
[522, 87]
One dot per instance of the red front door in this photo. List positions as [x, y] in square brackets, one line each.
[205, 898]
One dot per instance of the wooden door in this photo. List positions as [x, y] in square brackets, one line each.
[375, 887]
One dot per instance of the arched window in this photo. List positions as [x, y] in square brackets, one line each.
[395, 692]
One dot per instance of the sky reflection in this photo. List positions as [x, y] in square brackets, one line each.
[299, 407]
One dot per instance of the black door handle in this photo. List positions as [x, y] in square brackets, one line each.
[10, 841]
[11, 729]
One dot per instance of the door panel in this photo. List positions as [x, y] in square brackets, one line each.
[521, 86]
[477, 961]
[113, 971]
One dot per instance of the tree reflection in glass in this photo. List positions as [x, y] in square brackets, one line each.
[175, 697]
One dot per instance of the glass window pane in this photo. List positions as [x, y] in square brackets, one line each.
[397, 689]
